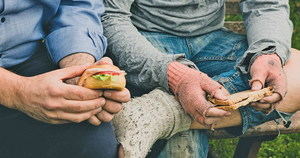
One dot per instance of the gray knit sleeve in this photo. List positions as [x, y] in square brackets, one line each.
[145, 65]
[269, 30]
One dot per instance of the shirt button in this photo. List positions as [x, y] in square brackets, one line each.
[3, 19]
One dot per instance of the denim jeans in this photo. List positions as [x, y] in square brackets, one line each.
[215, 53]
[22, 136]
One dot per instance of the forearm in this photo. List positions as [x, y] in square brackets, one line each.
[145, 65]
[134, 54]
[268, 25]
[234, 119]
[10, 84]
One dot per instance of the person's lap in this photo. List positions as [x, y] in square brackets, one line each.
[22, 136]
[216, 54]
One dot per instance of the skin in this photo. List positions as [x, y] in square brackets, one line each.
[51, 98]
[290, 103]
[113, 99]
[191, 92]
[47, 98]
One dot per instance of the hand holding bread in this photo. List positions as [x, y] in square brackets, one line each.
[234, 101]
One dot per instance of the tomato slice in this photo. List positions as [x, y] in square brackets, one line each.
[108, 73]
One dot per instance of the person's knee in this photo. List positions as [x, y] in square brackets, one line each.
[102, 143]
[93, 142]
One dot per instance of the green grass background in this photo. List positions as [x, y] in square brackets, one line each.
[284, 146]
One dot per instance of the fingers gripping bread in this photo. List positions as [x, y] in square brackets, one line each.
[239, 99]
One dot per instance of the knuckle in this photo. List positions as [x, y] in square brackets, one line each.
[51, 106]
[76, 92]
[105, 117]
[54, 91]
[108, 118]
[114, 107]
[51, 115]
[78, 108]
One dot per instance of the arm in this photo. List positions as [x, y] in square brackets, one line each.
[269, 30]
[269, 33]
[78, 40]
[148, 68]
[46, 98]
[10, 83]
[145, 65]
[76, 28]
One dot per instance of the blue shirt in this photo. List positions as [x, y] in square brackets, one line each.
[64, 26]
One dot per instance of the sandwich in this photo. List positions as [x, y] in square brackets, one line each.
[234, 101]
[103, 77]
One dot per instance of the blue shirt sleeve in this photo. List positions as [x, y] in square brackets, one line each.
[75, 28]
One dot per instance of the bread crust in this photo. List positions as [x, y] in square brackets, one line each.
[239, 99]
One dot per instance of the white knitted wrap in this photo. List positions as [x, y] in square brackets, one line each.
[148, 118]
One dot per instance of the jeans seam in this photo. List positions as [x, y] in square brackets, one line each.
[189, 52]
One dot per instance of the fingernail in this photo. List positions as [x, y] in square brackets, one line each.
[262, 101]
[228, 114]
[255, 87]
[220, 95]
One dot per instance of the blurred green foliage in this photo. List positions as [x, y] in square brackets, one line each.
[295, 17]
[284, 146]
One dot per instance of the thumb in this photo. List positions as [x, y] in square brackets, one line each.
[256, 85]
[258, 76]
[104, 60]
[258, 80]
[221, 93]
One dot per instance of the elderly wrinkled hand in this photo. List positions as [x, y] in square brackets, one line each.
[267, 70]
[191, 87]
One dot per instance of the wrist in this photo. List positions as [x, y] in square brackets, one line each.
[11, 86]
[176, 72]
[273, 56]
[76, 59]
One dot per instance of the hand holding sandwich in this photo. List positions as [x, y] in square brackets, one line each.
[113, 98]
[47, 98]
[104, 75]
